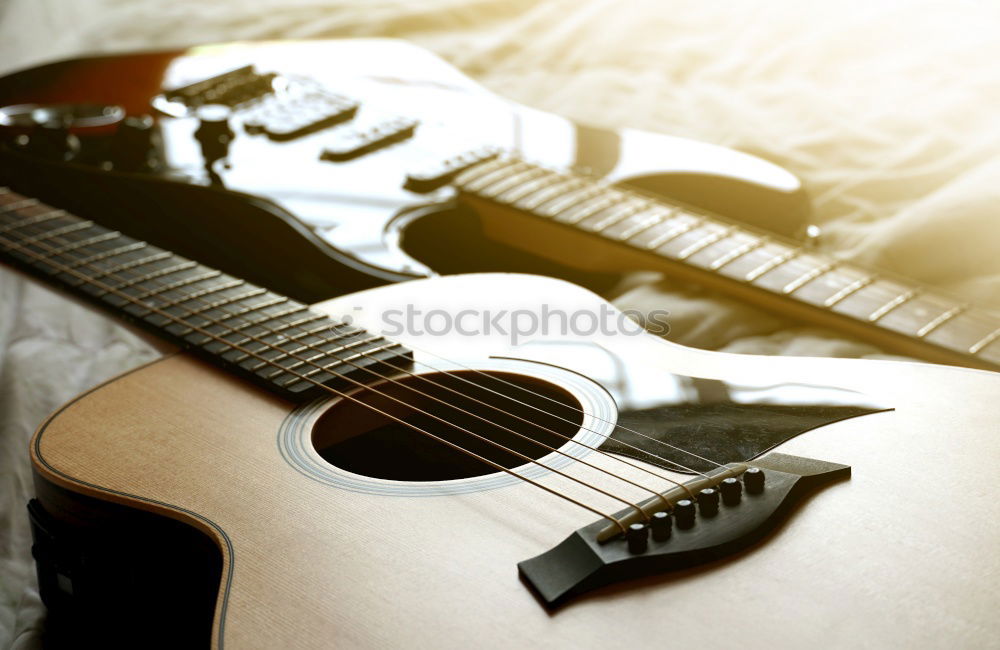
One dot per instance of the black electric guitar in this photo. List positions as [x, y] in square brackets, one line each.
[340, 165]
[291, 480]
[352, 143]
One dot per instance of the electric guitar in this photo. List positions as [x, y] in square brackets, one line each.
[373, 161]
[413, 478]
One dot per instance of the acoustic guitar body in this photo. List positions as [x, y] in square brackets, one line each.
[325, 537]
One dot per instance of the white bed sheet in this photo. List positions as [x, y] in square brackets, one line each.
[886, 109]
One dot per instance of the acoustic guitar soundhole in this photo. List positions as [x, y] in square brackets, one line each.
[453, 406]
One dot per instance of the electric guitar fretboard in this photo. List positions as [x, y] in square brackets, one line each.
[705, 248]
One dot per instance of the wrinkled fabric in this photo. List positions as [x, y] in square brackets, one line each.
[887, 111]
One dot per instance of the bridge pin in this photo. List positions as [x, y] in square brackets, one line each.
[661, 525]
[708, 502]
[732, 491]
[684, 512]
[637, 538]
[753, 479]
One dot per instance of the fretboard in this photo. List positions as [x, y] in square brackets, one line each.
[256, 333]
[675, 238]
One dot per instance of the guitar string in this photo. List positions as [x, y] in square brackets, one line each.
[346, 395]
[573, 408]
[523, 419]
[230, 315]
[533, 441]
[109, 289]
[514, 415]
[348, 361]
[314, 347]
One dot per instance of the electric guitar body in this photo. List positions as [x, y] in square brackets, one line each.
[334, 152]
[323, 536]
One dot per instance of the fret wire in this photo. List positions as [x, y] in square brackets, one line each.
[325, 342]
[941, 320]
[567, 201]
[619, 214]
[257, 322]
[487, 179]
[208, 306]
[320, 352]
[128, 266]
[32, 220]
[737, 253]
[184, 266]
[584, 210]
[96, 239]
[705, 242]
[544, 195]
[210, 275]
[192, 295]
[645, 224]
[527, 189]
[197, 295]
[673, 233]
[99, 257]
[491, 177]
[495, 189]
[892, 304]
[246, 310]
[298, 323]
[277, 331]
[310, 360]
[12, 208]
[276, 301]
[853, 287]
[58, 232]
[986, 340]
[479, 171]
[802, 280]
[283, 354]
[310, 332]
[337, 361]
[318, 369]
[770, 265]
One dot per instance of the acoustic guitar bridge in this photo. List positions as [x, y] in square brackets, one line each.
[733, 507]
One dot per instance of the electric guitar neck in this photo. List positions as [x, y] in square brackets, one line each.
[591, 224]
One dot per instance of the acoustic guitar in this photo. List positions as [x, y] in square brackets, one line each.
[373, 161]
[413, 478]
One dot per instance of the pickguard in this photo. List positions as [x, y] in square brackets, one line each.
[717, 430]
[688, 424]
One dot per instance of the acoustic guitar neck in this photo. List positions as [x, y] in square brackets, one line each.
[583, 221]
[256, 333]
